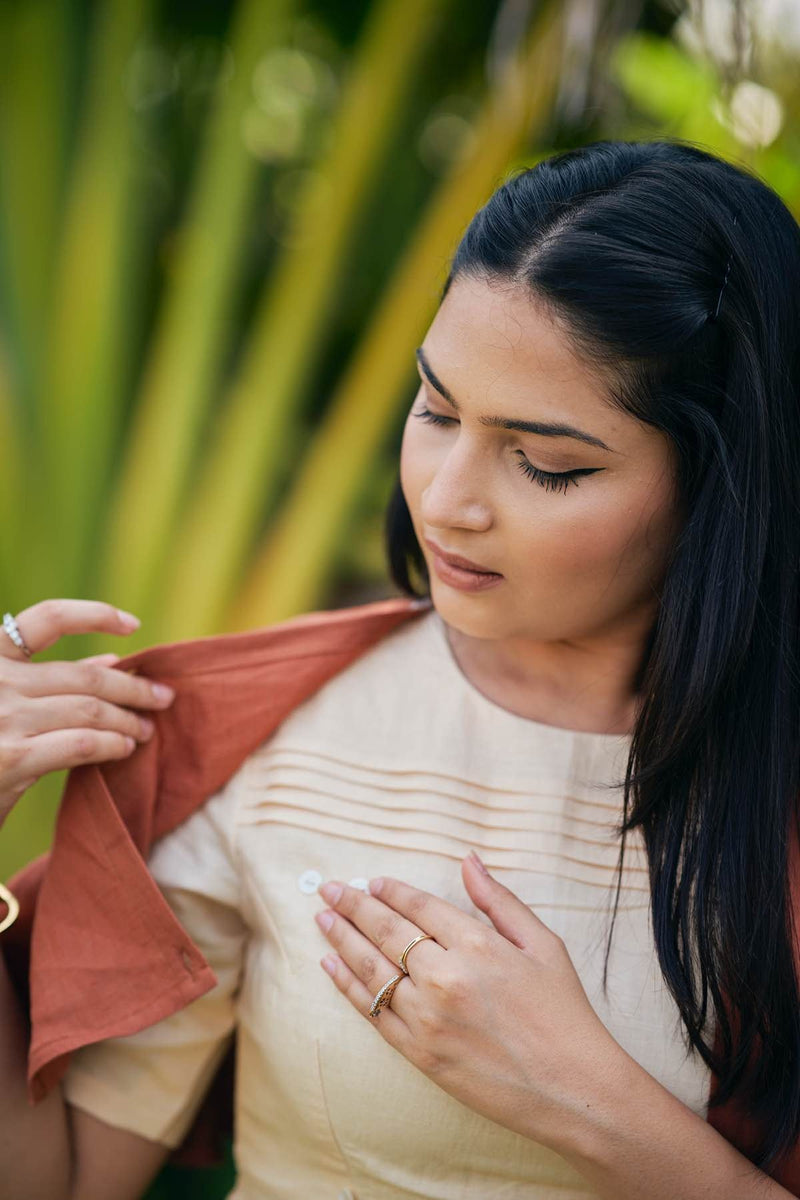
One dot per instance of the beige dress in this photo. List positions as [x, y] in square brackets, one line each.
[397, 765]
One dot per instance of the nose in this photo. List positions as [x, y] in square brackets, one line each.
[457, 494]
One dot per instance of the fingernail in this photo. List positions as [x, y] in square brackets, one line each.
[478, 863]
[128, 619]
[329, 964]
[163, 692]
[324, 919]
[332, 891]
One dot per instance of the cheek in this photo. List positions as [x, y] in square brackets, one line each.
[604, 532]
[635, 536]
[557, 538]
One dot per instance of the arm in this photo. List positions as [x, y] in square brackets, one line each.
[109, 1161]
[39, 1143]
[636, 1141]
[124, 1102]
[151, 1082]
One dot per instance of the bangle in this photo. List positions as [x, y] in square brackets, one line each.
[13, 907]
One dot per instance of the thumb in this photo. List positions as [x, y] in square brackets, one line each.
[509, 915]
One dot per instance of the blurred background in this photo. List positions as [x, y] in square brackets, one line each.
[224, 227]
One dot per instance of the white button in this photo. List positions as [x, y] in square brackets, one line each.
[359, 882]
[309, 881]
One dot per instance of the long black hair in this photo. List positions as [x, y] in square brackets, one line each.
[630, 243]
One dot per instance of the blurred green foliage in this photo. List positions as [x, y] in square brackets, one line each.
[188, 1183]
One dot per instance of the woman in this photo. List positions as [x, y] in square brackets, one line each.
[605, 430]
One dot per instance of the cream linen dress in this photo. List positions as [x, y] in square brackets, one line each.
[397, 765]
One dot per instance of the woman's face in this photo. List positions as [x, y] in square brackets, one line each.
[579, 557]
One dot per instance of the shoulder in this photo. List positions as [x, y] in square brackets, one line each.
[234, 691]
[323, 631]
[377, 696]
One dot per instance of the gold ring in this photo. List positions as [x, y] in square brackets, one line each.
[383, 997]
[13, 907]
[420, 937]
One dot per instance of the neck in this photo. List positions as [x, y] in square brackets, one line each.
[583, 683]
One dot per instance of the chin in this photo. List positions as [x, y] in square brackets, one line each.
[460, 612]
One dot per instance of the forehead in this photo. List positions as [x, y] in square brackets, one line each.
[502, 352]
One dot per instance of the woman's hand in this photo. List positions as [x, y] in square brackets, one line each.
[497, 1017]
[61, 714]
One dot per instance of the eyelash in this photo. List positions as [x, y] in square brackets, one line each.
[550, 480]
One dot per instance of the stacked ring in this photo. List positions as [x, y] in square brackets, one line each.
[420, 937]
[384, 996]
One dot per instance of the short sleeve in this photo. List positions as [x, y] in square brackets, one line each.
[152, 1082]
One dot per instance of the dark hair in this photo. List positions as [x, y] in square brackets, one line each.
[629, 244]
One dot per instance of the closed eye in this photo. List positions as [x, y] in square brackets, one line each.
[550, 480]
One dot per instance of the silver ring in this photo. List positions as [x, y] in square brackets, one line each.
[12, 629]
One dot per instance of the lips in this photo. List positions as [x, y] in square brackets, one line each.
[457, 561]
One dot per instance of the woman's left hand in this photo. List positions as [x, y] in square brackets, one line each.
[497, 1017]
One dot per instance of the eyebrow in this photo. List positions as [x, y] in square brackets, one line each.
[547, 429]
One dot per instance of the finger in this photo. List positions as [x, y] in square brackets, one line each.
[47, 713]
[510, 916]
[386, 929]
[362, 957]
[67, 748]
[42, 624]
[90, 679]
[105, 660]
[429, 913]
[388, 1022]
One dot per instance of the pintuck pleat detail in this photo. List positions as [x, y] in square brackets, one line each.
[441, 814]
[401, 751]
[388, 774]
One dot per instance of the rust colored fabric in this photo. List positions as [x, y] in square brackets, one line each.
[96, 952]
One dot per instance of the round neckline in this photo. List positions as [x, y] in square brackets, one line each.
[589, 736]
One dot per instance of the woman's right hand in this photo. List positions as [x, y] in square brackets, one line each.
[56, 715]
